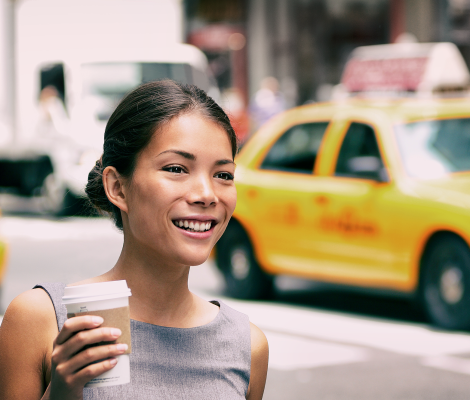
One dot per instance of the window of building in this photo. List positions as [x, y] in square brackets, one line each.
[296, 150]
[52, 76]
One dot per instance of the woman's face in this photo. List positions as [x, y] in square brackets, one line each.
[182, 194]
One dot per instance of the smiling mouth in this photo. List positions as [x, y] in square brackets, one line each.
[193, 226]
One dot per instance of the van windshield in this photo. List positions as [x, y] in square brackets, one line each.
[105, 84]
[435, 148]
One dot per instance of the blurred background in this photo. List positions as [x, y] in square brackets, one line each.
[64, 66]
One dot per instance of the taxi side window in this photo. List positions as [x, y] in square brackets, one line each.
[359, 156]
[296, 150]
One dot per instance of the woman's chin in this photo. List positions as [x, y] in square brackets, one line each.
[195, 259]
[197, 263]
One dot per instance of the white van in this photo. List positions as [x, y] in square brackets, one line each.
[74, 61]
[76, 97]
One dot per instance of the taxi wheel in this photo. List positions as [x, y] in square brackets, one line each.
[244, 279]
[445, 284]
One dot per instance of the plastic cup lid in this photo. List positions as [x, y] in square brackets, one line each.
[96, 291]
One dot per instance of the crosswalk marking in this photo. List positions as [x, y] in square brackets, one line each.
[401, 338]
[287, 353]
[448, 363]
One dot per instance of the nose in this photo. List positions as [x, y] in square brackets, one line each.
[202, 191]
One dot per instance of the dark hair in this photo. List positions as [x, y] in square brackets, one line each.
[136, 119]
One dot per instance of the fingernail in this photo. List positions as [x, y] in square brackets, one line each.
[113, 361]
[115, 332]
[97, 320]
[122, 347]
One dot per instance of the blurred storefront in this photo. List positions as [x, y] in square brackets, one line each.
[302, 43]
[219, 29]
[305, 43]
[456, 27]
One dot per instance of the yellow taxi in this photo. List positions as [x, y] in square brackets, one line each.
[371, 193]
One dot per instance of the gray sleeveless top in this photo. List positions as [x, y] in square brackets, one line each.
[209, 362]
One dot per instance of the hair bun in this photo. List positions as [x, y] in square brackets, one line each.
[95, 189]
[99, 164]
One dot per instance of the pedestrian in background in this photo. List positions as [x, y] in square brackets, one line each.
[267, 102]
[166, 178]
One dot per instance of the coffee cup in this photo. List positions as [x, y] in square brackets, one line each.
[109, 300]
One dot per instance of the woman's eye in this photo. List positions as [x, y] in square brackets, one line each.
[176, 169]
[226, 176]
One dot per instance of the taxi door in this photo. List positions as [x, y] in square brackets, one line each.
[352, 241]
[280, 204]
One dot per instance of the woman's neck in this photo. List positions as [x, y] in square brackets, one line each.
[160, 293]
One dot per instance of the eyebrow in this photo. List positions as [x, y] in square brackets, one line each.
[184, 154]
[224, 162]
[192, 157]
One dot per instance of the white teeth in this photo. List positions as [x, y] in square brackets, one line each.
[194, 226]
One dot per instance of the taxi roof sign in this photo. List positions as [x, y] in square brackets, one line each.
[406, 67]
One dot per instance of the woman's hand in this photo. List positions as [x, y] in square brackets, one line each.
[73, 365]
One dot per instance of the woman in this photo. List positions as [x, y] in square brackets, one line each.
[166, 177]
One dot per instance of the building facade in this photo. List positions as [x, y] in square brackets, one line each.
[305, 43]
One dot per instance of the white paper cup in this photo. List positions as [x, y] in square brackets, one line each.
[99, 297]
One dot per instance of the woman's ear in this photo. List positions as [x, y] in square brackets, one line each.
[114, 188]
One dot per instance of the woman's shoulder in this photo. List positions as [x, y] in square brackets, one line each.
[230, 312]
[27, 333]
[258, 339]
[259, 363]
[31, 309]
[29, 321]
[255, 336]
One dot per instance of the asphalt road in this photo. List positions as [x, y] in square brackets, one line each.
[324, 344]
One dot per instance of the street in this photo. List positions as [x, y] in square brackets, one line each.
[323, 344]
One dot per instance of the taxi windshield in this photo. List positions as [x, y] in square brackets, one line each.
[432, 149]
